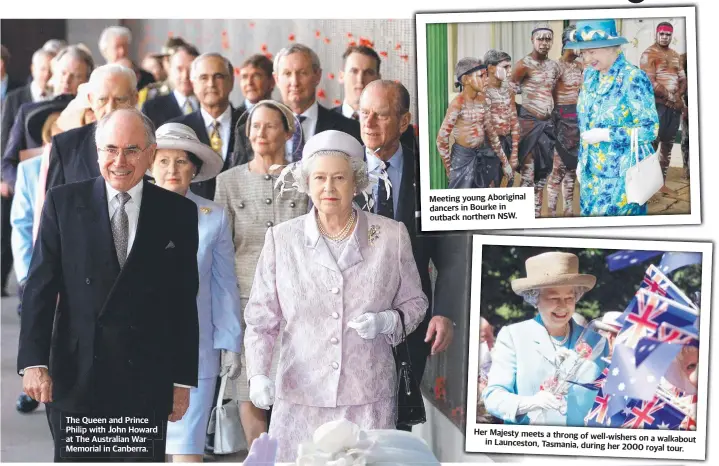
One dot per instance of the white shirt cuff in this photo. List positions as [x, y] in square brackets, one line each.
[22, 372]
[183, 386]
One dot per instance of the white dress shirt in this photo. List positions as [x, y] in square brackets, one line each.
[36, 92]
[394, 173]
[225, 127]
[308, 127]
[181, 99]
[348, 111]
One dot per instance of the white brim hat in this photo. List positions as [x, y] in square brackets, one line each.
[609, 322]
[181, 137]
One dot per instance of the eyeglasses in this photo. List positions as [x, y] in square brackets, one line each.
[131, 152]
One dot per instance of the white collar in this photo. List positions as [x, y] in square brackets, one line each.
[311, 113]
[135, 192]
[36, 91]
[181, 98]
[225, 119]
[347, 110]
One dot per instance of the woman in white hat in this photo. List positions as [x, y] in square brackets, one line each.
[182, 159]
[254, 203]
[351, 273]
[524, 353]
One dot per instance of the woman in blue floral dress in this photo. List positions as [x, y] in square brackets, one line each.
[616, 98]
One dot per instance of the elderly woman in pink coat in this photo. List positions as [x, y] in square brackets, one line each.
[351, 273]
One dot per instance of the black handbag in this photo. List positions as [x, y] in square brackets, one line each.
[410, 405]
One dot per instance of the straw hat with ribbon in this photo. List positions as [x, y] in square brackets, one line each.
[553, 269]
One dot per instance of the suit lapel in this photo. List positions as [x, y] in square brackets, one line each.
[407, 192]
[543, 343]
[196, 122]
[324, 119]
[101, 245]
[320, 252]
[230, 159]
[352, 253]
[87, 152]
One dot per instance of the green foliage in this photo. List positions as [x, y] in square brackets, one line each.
[501, 264]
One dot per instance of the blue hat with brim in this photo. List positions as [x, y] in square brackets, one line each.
[595, 34]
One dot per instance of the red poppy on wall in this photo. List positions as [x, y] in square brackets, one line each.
[353, 43]
[237, 71]
[404, 57]
[263, 47]
[291, 37]
[327, 40]
[366, 42]
[268, 55]
[252, 24]
[321, 94]
[383, 54]
[337, 102]
[398, 46]
[318, 33]
[331, 75]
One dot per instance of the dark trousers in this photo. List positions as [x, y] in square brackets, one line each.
[5, 248]
[65, 439]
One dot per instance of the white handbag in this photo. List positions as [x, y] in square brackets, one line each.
[225, 424]
[645, 178]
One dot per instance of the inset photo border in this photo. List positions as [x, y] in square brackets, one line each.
[595, 349]
[465, 125]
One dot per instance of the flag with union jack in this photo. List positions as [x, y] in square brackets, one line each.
[647, 312]
[656, 282]
[652, 414]
[597, 416]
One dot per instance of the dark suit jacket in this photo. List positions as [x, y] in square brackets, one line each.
[122, 337]
[194, 120]
[326, 120]
[20, 139]
[408, 138]
[162, 109]
[73, 157]
[10, 107]
[447, 255]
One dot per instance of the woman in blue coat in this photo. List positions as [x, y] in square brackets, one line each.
[616, 98]
[525, 353]
[180, 160]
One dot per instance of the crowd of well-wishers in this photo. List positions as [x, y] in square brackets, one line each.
[308, 288]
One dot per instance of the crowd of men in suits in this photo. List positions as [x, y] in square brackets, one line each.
[196, 93]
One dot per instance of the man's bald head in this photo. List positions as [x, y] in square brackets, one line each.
[112, 87]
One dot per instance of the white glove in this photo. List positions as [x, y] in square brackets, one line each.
[371, 324]
[596, 135]
[262, 392]
[542, 400]
[231, 364]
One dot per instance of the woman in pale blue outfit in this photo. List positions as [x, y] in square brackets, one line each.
[525, 353]
[181, 159]
[616, 98]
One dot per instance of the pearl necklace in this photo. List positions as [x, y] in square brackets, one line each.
[342, 234]
[561, 342]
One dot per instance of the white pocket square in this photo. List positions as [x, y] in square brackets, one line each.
[170, 245]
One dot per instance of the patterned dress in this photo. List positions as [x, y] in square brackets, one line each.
[254, 206]
[621, 99]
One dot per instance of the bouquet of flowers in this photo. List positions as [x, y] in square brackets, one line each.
[575, 366]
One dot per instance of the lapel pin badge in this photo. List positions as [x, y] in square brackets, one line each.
[205, 210]
[373, 234]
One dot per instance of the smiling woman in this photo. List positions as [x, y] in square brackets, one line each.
[519, 360]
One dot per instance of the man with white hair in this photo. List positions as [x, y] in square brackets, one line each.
[73, 156]
[213, 78]
[121, 253]
[37, 90]
[54, 46]
[114, 45]
[297, 74]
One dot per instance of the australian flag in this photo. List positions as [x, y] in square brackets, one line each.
[652, 414]
[672, 261]
[648, 311]
[623, 259]
[656, 282]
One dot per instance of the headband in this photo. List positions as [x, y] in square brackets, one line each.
[665, 28]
